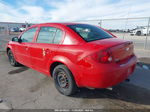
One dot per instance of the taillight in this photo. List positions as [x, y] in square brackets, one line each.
[105, 57]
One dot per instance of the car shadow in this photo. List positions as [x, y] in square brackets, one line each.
[18, 70]
[125, 92]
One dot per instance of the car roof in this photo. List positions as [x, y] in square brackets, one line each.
[64, 24]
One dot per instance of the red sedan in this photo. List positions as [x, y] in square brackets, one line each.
[75, 55]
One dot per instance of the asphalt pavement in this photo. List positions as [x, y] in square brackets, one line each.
[24, 88]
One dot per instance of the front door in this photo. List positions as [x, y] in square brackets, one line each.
[44, 48]
[22, 48]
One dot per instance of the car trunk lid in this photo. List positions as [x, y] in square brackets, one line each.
[120, 49]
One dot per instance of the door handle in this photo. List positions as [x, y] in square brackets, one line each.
[45, 51]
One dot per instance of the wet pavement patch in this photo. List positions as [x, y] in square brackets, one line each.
[144, 63]
[19, 70]
[123, 92]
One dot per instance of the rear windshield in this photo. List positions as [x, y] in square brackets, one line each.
[90, 32]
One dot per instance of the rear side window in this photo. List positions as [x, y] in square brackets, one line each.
[90, 32]
[58, 36]
[28, 35]
[49, 35]
[46, 35]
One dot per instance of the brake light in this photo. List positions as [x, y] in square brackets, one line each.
[105, 57]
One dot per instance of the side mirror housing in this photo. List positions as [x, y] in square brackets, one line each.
[15, 39]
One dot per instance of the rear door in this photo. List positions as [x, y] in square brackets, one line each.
[22, 48]
[44, 48]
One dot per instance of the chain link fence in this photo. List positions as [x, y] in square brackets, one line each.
[134, 29]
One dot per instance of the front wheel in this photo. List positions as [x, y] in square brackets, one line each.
[64, 81]
[11, 58]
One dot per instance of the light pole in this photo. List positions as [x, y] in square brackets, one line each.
[147, 32]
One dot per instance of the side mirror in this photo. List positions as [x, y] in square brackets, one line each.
[15, 39]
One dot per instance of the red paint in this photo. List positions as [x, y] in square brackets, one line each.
[89, 62]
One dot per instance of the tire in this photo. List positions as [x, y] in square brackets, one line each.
[138, 33]
[64, 80]
[132, 34]
[12, 60]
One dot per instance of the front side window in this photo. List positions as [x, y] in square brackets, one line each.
[90, 32]
[46, 35]
[28, 35]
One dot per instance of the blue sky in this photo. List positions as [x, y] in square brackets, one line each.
[38, 11]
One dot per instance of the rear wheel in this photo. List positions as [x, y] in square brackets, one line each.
[64, 81]
[11, 58]
[138, 33]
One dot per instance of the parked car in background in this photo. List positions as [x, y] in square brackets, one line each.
[75, 55]
[120, 30]
[140, 31]
[15, 29]
[22, 29]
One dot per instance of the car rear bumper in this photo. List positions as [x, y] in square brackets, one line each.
[107, 75]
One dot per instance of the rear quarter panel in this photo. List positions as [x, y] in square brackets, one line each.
[76, 58]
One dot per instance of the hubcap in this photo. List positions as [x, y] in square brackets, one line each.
[62, 80]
